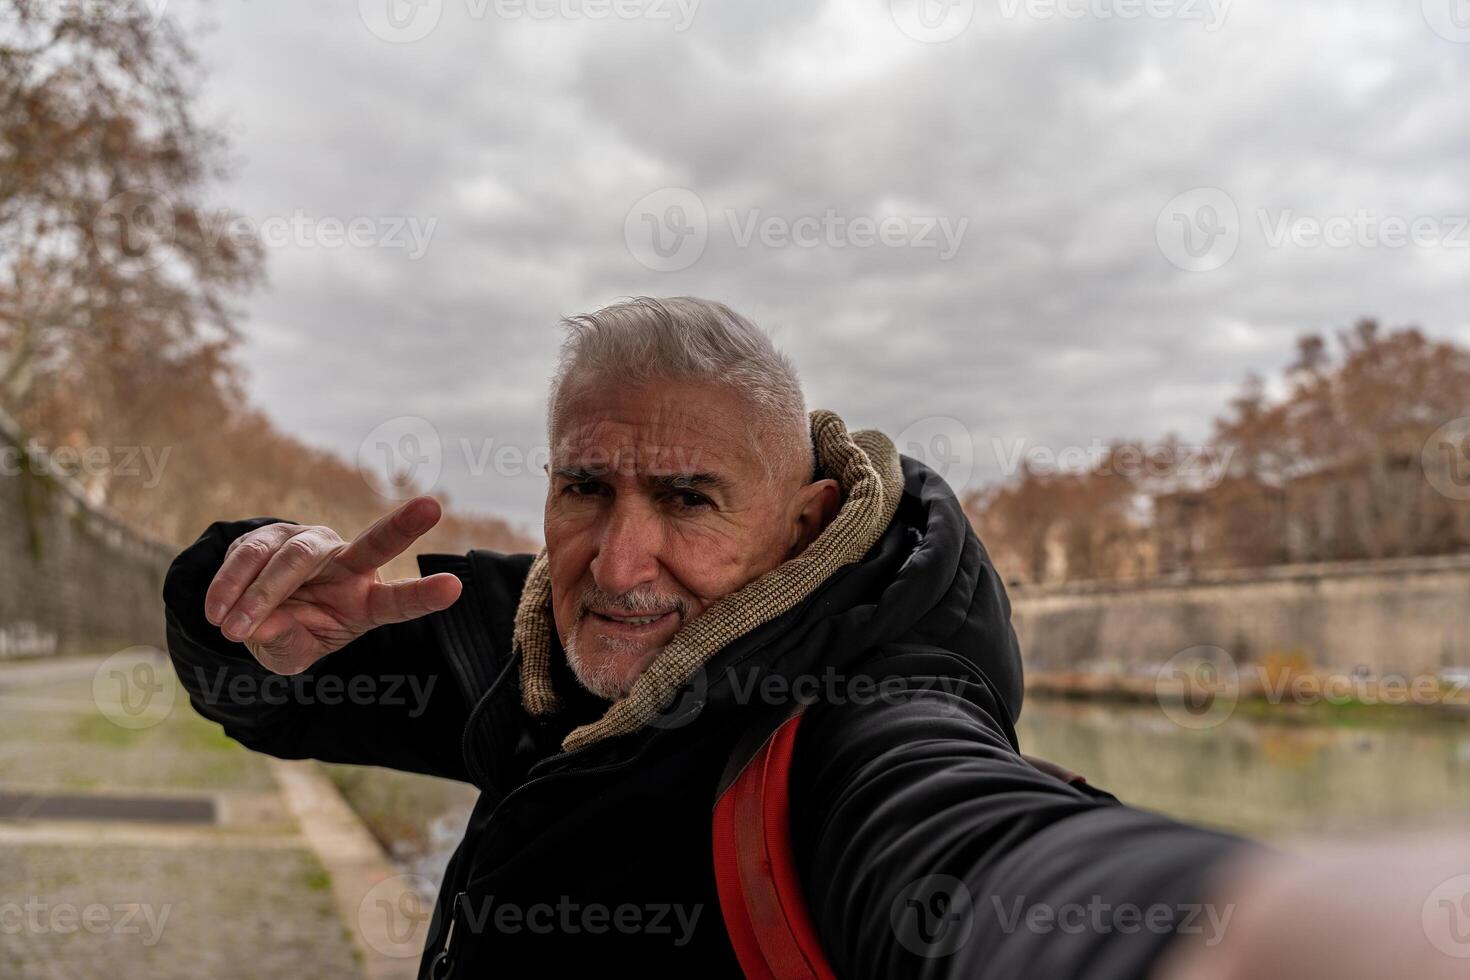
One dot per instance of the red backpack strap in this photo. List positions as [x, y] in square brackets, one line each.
[761, 898]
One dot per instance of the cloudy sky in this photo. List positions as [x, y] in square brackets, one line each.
[990, 226]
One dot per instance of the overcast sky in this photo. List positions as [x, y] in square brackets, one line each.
[966, 222]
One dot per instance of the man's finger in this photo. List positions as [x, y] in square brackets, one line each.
[296, 561]
[391, 535]
[281, 644]
[244, 559]
[398, 602]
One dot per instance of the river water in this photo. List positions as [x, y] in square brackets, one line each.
[1269, 770]
[1268, 773]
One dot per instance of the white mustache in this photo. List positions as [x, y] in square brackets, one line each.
[635, 602]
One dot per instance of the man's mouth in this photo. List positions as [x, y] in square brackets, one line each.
[632, 623]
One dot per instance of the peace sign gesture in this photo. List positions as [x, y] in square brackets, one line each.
[294, 593]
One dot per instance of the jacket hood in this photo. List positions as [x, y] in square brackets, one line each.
[898, 566]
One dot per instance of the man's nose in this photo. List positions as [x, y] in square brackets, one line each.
[627, 555]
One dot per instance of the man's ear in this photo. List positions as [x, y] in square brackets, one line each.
[816, 504]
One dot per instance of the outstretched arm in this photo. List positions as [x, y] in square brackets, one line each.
[930, 848]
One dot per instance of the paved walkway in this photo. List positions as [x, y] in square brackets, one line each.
[285, 883]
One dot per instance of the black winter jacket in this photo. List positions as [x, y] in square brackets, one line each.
[927, 846]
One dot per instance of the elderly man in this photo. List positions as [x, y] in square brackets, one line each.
[719, 566]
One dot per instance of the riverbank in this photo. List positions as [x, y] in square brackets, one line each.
[1283, 694]
[418, 820]
[1404, 617]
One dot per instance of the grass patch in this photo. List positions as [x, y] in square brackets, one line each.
[1352, 713]
[97, 729]
[205, 736]
[62, 739]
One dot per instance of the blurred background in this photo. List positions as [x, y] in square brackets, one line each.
[1172, 292]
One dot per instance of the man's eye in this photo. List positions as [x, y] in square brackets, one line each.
[584, 489]
[689, 500]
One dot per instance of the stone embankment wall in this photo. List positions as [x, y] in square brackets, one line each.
[73, 578]
[1401, 616]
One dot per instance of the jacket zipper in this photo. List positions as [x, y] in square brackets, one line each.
[442, 965]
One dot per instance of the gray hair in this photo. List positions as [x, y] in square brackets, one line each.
[643, 340]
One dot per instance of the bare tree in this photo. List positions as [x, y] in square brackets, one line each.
[117, 280]
[113, 271]
[1334, 469]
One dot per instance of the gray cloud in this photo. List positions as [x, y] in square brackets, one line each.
[1060, 141]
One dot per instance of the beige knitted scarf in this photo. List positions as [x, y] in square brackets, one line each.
[864, 463]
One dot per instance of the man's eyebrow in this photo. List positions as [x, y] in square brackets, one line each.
[690, 481]
[664, 481]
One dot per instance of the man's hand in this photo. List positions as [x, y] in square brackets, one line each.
[293, 594]
[1366, 910]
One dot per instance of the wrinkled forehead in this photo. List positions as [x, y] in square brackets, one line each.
[657, 429]
[605, 452]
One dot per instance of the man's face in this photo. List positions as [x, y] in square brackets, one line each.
[659, 504]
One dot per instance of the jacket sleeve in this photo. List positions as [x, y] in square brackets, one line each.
[386, 699]
[929, 848]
